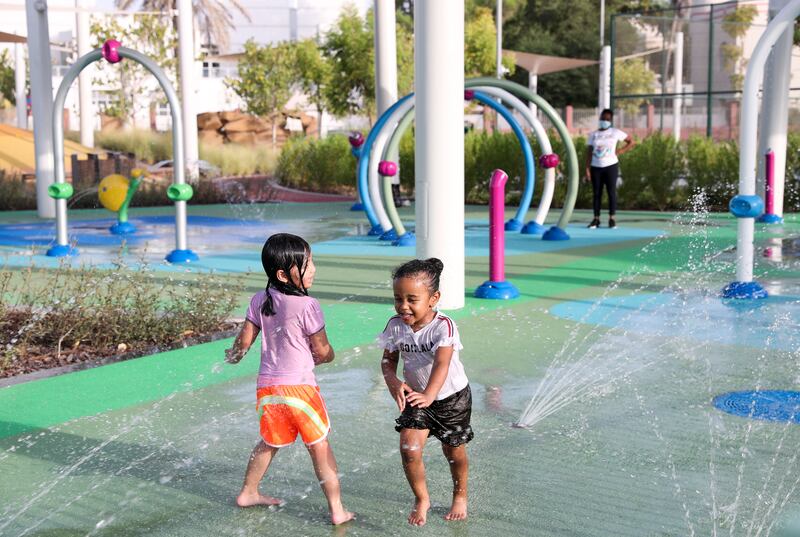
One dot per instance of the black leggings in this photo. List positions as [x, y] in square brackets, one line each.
[605, 177]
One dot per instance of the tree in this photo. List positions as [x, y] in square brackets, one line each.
[480, 45]
[736, 24]
[266, 76]
[564, 28]
[632, 77]
[313, 73]
[214, 17]
[149, 35]
[350, 47]
[7, 87]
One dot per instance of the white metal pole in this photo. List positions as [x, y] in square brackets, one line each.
[773, 124]
[293, 28]
[188, 87]
[499, 38]
[85, 78]
[20, 70]
[604, 86]
[602, 23]
[677, 101]
[385, 55]
[533, 84]
[439, 145]
[41, 103]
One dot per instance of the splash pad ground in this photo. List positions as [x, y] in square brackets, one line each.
[157, 445]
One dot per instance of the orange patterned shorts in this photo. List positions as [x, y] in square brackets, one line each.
[285, 411]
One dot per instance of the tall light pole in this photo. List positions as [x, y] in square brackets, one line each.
[602, 23]
[499, 32]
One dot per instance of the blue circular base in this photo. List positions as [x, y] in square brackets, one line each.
[406, 239]
[533, 228]
[62, 250]
[357, 206]
[376, 231]
[496, 290]
[182, 256]
[390, 235]
[749, 290]
[513, 225]
[770, 405]
[122, 228]
[770, 219]
[555, 233]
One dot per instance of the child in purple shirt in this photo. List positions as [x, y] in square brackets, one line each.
[293, 341]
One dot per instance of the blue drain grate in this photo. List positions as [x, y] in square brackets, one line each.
[770, 405]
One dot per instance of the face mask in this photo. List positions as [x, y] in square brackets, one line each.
[605, 124]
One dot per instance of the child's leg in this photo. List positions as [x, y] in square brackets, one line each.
[411, 443]
[459, 468]
[327, 473]
[256, 468]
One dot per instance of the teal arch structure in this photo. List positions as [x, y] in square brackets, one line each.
[556, 232]
[179, 192]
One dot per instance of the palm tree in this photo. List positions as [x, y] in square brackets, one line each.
[214, 17]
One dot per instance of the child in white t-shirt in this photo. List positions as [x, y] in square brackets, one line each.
[434, 397]
[602, 165]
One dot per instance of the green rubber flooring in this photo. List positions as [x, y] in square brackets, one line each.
[626, 441]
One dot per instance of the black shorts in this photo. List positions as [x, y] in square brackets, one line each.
[447, 420]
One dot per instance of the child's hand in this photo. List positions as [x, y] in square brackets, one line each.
[420, 400]
[399, 391]
[232, 356]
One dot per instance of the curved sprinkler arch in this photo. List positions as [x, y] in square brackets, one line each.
[748, 205]
[534, 227]
[556, 232]
[378, 225]
[182, 192]
[406, 113]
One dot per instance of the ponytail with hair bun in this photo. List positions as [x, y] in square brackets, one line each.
[431, 268]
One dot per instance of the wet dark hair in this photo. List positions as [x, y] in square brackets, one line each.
[432, 269]
[607, 111]
[283, 251]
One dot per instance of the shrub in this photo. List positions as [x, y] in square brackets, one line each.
[52, 317]
[652, 173]
[231, 159]
[323, 165]
[713, 168]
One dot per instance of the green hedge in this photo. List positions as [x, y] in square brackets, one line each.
[657, 174]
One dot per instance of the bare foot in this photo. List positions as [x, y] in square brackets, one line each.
[458, 511]
[341, 518]
[249, 500]
[419, 513]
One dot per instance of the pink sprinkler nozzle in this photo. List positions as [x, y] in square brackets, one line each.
[469, 95]
[111, 51]
[387, 168]
[550, 160]
[356, 139]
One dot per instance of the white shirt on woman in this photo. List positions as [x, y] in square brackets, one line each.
[604, 146]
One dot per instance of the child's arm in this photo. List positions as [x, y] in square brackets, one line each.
[397, 387]
[321, 348]
[441, 366]
[247, 335]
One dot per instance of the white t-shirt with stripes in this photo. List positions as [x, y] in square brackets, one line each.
[418, 349]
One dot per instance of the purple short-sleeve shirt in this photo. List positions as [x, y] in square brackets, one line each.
[285, 348]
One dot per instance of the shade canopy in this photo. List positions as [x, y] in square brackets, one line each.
[540, 64]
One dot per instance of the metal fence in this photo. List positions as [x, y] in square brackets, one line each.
[717, 41]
